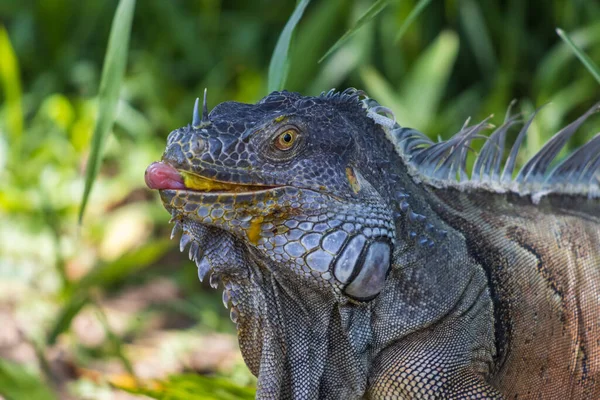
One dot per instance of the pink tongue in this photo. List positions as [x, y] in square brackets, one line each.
[163, 176]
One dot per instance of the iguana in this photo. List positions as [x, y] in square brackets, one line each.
[360, 260]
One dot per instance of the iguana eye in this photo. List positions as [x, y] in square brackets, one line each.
[286, 139]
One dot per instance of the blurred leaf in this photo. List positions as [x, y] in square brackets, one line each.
[105, 276]
[17, 383]
[278, 68]
[66, 315]
[478, 35]
[340, 65]
[459, 109]
[550, 72]
[187, 386]
[587, 61]
[11, 81]
[311, 39]
[371, 13]
[131, 120]
[113, 272]
[116, 342]
[379, 88]
[110, 84]
[428, 77]
[417, 102]
[414, 13]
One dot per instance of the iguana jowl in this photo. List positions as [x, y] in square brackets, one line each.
[359, 260]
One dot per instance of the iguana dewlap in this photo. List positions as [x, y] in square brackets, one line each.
[360, 260]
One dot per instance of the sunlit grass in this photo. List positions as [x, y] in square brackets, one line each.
[584, 58]
[113, 71]
[10, 81]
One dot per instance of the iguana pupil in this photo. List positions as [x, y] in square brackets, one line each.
[285, 140]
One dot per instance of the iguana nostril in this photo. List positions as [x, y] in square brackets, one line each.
[174, 154]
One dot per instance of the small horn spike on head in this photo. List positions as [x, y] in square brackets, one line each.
[196, 122]
[204, 108]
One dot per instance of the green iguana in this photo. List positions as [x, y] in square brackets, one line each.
[360, 260]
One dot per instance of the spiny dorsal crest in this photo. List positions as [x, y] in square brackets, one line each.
[443, 164]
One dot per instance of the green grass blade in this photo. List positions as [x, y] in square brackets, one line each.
[65, 317]
[371, 13]
[16, 382]
[110, 84]
[584, 58]
[476, 32]
[10, 80]
[414, 13]
[279, 65]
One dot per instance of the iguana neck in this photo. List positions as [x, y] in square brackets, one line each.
[300, 344]
[433, 278]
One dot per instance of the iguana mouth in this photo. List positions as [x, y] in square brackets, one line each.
[163, 176]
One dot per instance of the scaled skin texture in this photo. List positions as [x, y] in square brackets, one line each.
[350, 274]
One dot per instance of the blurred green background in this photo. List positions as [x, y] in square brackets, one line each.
[111, 303]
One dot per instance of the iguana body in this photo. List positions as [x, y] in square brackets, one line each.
[356, 265]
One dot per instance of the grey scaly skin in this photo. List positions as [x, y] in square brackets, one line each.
[356, 265]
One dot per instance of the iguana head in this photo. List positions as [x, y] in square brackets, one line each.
[285, 177]
[279, 196]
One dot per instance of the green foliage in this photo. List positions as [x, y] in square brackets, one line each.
[106, 275]
[110, 86]
[476, 32]
[589, 64]
[17, 383]
[11, 82]
[411, 18]
[371, 13]
[417, 100]
[190, 386]
[279, 66]
[66, 315]
[434, 63]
